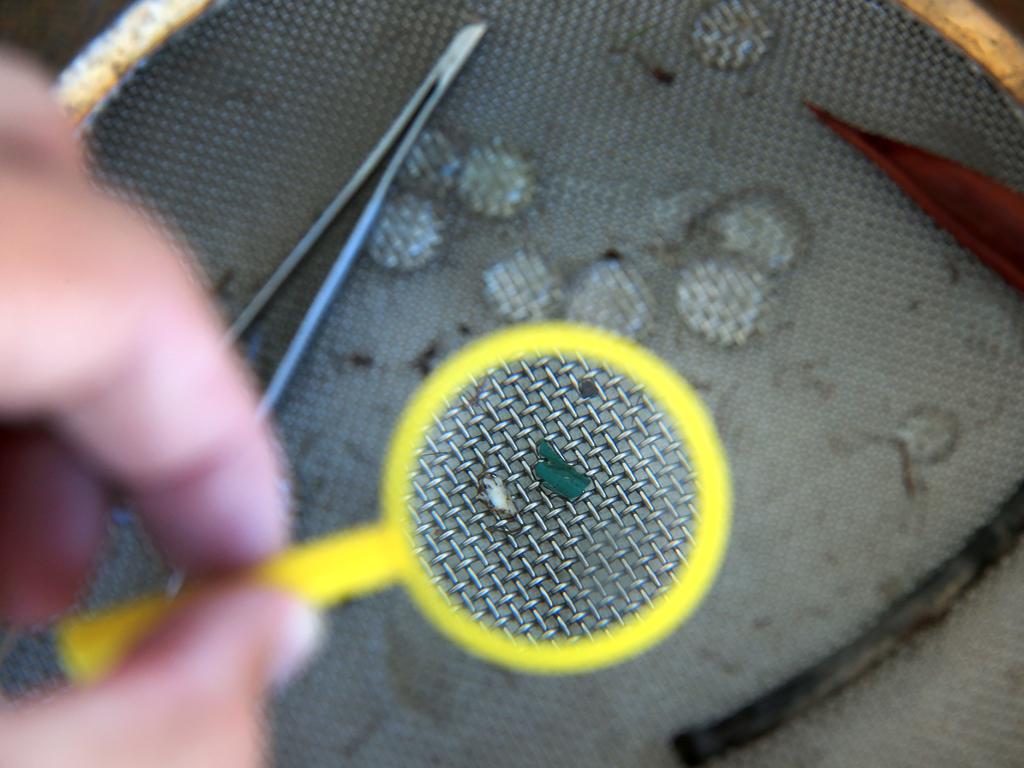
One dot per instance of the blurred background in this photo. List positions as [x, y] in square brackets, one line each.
[55, 30]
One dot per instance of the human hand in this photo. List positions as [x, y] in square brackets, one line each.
[113, 375]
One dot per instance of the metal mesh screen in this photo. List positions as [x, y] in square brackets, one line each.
[965, 674]
[541, 566]
[624, 131]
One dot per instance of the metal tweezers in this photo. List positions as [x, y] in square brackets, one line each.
[404, 131]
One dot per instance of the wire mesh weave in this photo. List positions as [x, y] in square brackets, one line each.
[546, 567]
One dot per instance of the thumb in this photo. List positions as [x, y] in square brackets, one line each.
[190, 696]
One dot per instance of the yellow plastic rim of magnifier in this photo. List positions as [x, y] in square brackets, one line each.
[687, 418]
[364, 559]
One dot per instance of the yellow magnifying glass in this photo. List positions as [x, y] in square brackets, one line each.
[555, 499]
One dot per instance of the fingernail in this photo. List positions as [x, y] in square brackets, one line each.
[174, 583]
[302, 633]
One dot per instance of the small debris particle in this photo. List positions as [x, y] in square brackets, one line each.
[464, 329]
[928, 620]
[224, 282]
[497, 496]
[612, 255]
[662, 75]
[907, 470]
[361, 359]
[424, 362]
[588, 388]
[914, 305]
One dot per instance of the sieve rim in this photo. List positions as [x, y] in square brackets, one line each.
[686, 415]
[92, 78]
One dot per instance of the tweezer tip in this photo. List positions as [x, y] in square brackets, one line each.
[459, 49]
[476, 28]
[469, 35]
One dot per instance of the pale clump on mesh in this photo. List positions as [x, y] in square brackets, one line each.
[731, 34]
[611, 296]
[495, 180]
[433, 163]
[408, 234]
[764, 228]
[722, 301]
[523, 288]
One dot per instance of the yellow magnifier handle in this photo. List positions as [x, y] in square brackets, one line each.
[344, 565]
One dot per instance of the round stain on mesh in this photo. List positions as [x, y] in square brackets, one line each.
[533, 563]
[929, 434]
[731, 34]
[433, 163]
[496, 180]
[408, 233]
[522, 288]
[722, 300]
[612, 296]
[672, 214]
[764, 228]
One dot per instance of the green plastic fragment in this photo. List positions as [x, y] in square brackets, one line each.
[554, 472]
[548, 453]
[567, 483]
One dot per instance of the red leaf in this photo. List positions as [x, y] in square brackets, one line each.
[985, 217]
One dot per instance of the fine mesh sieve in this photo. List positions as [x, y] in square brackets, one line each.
[628, 135]
[541, 566]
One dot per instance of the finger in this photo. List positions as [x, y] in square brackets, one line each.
[33, 130]
[52, 515]
[124, 356]
[190, 697]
